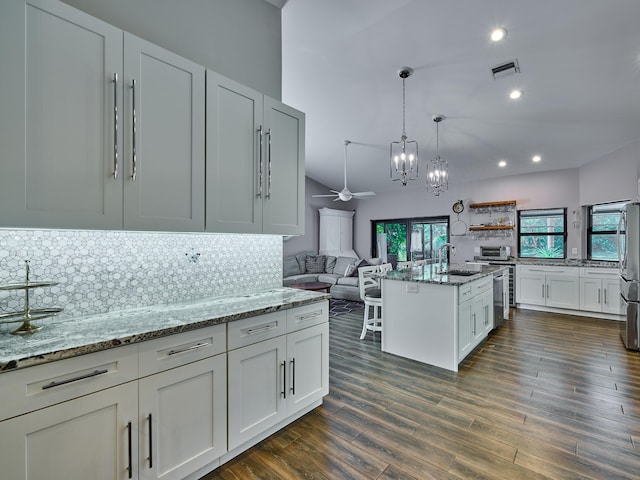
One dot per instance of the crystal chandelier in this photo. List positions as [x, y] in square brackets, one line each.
[437, 168]
[404, 154]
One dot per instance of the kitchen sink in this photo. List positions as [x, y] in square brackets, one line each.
[461, 273]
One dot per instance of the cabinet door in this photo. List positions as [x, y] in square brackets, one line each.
[235, 168]
[612, 303]
[591, 294]
[465, 329]
[183, 419]
[487, 313]
[57, 128]
[308, 376]
[90, 437]
[479, 314]
[530, 288]
[505, 296]
[283, 207]
[563, 291]
[163, 138]
[256, 389]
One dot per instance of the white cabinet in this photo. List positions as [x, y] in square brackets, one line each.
[255, 161]
[548, 286]
[71, 137]
[165, 420]
[475, 314]
[336, 232]
[95, 436]
[163, 126]
[600, 290]
[272, 375]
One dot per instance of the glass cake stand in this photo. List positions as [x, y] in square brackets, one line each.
[27, 314]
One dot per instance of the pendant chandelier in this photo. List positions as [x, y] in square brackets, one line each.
[404, 154]
[437, 168]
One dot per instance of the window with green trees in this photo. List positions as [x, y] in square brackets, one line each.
[412, 238]
[602, 241]
[542, 233]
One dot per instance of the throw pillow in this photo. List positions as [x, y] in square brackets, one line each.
[331, 263]
[361, 263]
[315, 264]
[350, 270]
[290, 267]
[341, 264]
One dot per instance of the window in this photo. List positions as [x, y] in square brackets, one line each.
[542, 233]
[601, 231]
[412, 238]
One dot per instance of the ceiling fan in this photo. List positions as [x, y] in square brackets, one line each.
[345, 194]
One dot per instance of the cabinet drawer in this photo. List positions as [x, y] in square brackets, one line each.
[255, 329]
[40, 386]
[176, 350]
[481, 285]
[548, 270]
[464, 293]
[599, 272]
[307, 316]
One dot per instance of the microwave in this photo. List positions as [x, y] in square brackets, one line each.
[502, 252]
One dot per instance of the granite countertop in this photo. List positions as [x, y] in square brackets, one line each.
[77, 336]
[557, 262]
[429, 274]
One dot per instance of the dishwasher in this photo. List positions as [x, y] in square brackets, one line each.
[498, 299]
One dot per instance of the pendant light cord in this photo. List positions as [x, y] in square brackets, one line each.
[404, 130]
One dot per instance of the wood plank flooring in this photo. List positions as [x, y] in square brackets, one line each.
[545, 397]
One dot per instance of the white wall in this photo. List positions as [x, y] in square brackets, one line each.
[310, 241]
[240, 39]
[612, 177]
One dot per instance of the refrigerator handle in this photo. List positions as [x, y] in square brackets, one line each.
[621, 222]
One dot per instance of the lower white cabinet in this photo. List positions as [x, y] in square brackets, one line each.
[548, 286]
[276, 377]
[475, 314]
[95, 436]
[600, 290]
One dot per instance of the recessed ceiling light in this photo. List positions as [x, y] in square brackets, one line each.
[516, 94]
[502, 163]
[536, 158]
[498, 34]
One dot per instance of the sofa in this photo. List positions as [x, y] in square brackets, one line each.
[340, 272]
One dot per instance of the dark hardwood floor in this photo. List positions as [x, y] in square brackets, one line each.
[546, 396]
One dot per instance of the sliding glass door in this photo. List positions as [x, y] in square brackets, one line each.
[412, 238]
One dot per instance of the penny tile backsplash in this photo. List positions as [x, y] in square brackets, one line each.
[101, 271]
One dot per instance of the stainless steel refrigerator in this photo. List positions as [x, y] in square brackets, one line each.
[629, 255]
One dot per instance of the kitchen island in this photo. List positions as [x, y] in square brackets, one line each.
[436, 318]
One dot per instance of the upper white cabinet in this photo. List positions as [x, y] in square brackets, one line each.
[58, 109]
[163, 164]
[255, 161]
[83, 148]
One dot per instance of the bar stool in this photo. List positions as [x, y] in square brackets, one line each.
[371, 295]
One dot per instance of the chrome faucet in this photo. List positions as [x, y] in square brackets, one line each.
[452, 249]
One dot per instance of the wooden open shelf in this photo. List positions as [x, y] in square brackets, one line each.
[491, 227]
[506, 203]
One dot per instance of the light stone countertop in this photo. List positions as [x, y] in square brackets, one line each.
[77, 336]
[429, 274]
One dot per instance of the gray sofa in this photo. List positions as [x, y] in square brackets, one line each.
[310, 267]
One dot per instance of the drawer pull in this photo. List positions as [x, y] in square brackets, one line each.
[130, 450]
[310, 316]
[188, 349]
[95, 373]
[265, 328]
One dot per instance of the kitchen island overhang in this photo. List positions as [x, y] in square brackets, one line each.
[433, 318]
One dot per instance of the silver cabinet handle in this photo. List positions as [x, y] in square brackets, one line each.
[150, 419]
[265, 328]
[605, 296]
[115, 126]
[547, 290]
[188, 349]
[284, 379]
[130, 450]
[474, 323]
[134, 128]
[293, 376]
[269, 164]
[259, 194]
[95, 373]
[313, 315]
[598, 295]
[543, 291]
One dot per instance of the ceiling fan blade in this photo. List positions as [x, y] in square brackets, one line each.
[363, 194]
[327, 195]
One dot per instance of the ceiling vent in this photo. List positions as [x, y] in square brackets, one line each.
[506, 68]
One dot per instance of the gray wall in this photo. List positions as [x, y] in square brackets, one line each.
[310, 241]
[240, 39]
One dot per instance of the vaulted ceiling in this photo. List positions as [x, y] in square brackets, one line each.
[580, 74]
